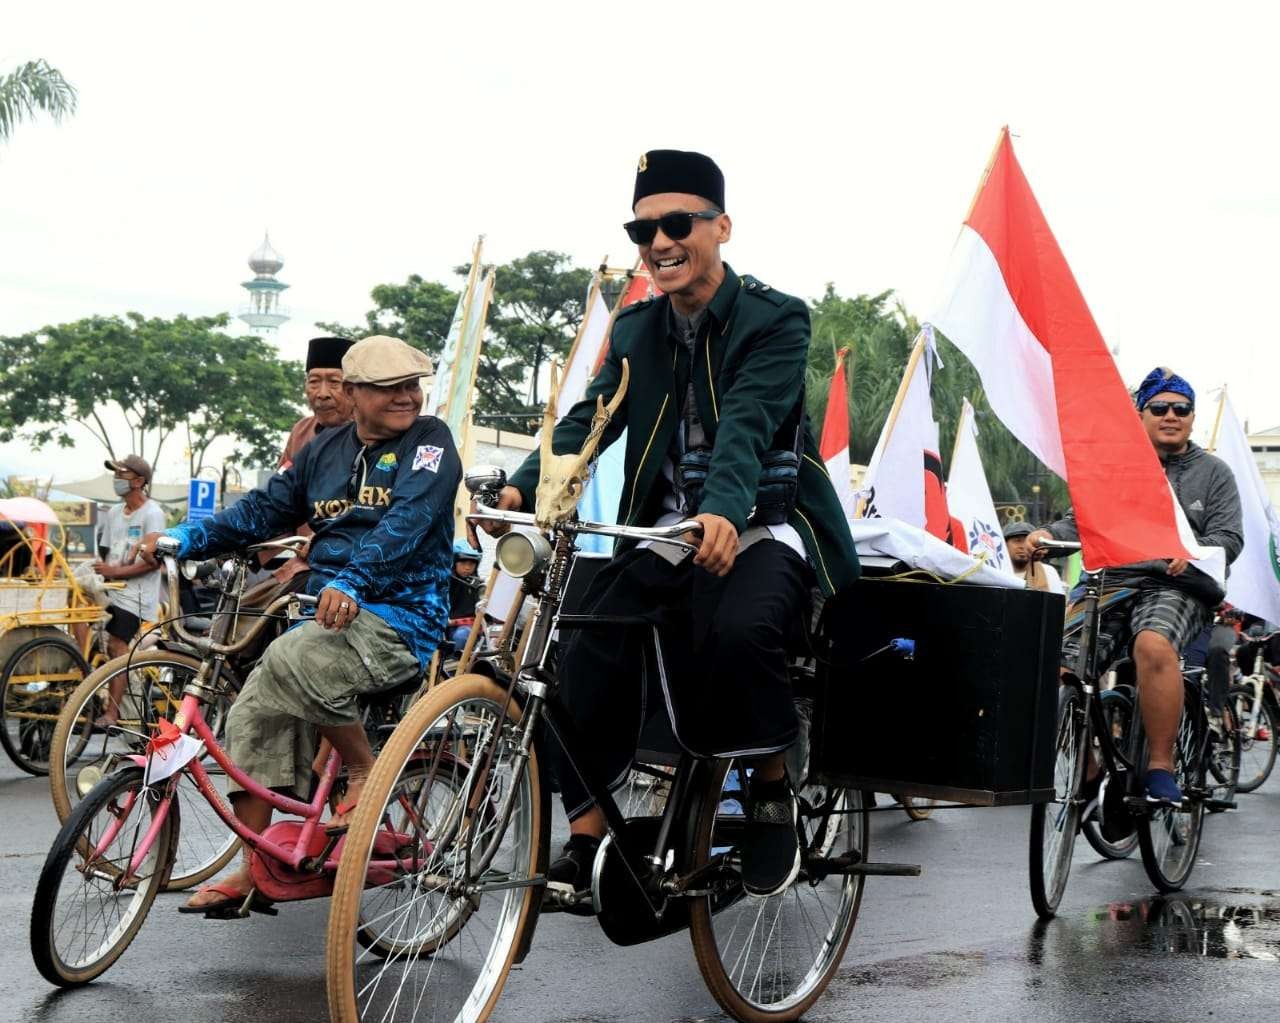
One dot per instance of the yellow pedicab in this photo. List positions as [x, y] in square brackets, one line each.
[40, 601]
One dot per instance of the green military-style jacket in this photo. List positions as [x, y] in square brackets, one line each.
[748, 371]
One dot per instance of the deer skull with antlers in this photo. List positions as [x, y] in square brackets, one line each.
[561, 478]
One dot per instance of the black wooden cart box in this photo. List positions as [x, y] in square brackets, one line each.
[970, 716]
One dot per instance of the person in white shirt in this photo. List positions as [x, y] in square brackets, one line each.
[1039, 576]
[123, 527]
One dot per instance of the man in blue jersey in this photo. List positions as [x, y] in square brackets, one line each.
[378, 493]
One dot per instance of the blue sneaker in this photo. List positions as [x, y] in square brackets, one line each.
[1161, 788]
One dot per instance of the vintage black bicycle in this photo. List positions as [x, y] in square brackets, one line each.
[1103, 728]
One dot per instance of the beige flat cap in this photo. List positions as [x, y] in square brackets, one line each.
[384, 361]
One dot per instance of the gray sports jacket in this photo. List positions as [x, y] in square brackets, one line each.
[1206, 489]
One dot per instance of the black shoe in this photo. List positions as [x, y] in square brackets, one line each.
[573, 867]
[770, 844]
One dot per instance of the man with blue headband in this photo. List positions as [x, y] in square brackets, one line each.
[1174, 599]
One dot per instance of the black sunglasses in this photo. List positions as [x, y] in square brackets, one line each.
[676, 226]
[1181, 409]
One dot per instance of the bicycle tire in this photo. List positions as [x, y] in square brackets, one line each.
[429, 729]
[1169, 838]
[205, 845]
[32, 737]
[1257, 756]
[715, 920]
[1223, 754]
[67, 856]
[1117, 710]
[1054, 824]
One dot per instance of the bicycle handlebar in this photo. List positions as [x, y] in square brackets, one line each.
[1058, 545]
[670, 533]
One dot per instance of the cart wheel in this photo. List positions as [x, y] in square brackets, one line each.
[916, 808]
[37, 679]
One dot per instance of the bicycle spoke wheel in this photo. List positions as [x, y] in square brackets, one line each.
[644, 793]
[1224, 754]
[1117, 710]
[1257, 738]
[771, 958]
[139, 691]
[86, 910]
[1054, 825]
[428, 909]
[1170, 838]
[37, 679]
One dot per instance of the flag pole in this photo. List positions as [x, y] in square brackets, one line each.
[955, 446]
[1217, 422]
[917, 351]
[613, 313]
[986, 173]
[592, 292]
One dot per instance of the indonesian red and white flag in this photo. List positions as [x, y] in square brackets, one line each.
[969, 496]
[1012, 305]
[834, 446]
[904, 479]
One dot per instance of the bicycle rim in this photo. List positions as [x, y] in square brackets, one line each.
[83, 916]
[1054, 824]
[1170, 838]
[407, 940]
[1257, 739]
[771, 958]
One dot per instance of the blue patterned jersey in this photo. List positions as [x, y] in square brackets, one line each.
[383, 521]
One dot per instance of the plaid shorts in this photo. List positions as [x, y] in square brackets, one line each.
[1173, 614]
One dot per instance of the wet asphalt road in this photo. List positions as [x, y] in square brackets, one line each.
[960, 942]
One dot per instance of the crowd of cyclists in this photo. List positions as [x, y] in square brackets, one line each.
[716, 436]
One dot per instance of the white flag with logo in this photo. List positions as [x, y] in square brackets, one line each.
[969, 496]
[894, 486]
[1254, 582]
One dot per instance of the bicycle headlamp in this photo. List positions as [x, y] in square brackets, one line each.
[519, 554]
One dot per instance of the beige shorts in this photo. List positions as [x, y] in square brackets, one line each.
[308, 678]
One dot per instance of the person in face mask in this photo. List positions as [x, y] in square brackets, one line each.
[139, 600]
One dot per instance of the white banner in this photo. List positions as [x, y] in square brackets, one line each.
[969, 496]
[1254, 582]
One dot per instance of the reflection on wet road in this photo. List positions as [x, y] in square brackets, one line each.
[959, 943]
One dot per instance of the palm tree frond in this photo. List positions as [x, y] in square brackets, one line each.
[33, 88]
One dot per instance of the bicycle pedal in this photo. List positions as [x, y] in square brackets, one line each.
[1220, 804]
[559, 897]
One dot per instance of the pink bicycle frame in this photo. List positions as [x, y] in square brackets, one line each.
[192, 718]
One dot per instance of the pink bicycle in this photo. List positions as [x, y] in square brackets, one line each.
[114, 853]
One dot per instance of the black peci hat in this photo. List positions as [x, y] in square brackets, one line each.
[673, 170]
[327, 352]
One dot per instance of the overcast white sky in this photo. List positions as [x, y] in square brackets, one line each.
[377, 139]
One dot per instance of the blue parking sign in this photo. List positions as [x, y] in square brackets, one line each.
[202, 499]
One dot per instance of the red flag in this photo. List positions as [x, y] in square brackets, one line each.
[834, 446]
[1013, 307]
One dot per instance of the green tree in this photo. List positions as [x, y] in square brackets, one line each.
[879, 333]
[535, 312]
[160, 376]
[416, 311]
[33, 88]
[537, 308]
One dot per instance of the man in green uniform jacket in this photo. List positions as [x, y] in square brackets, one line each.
[717, 368]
